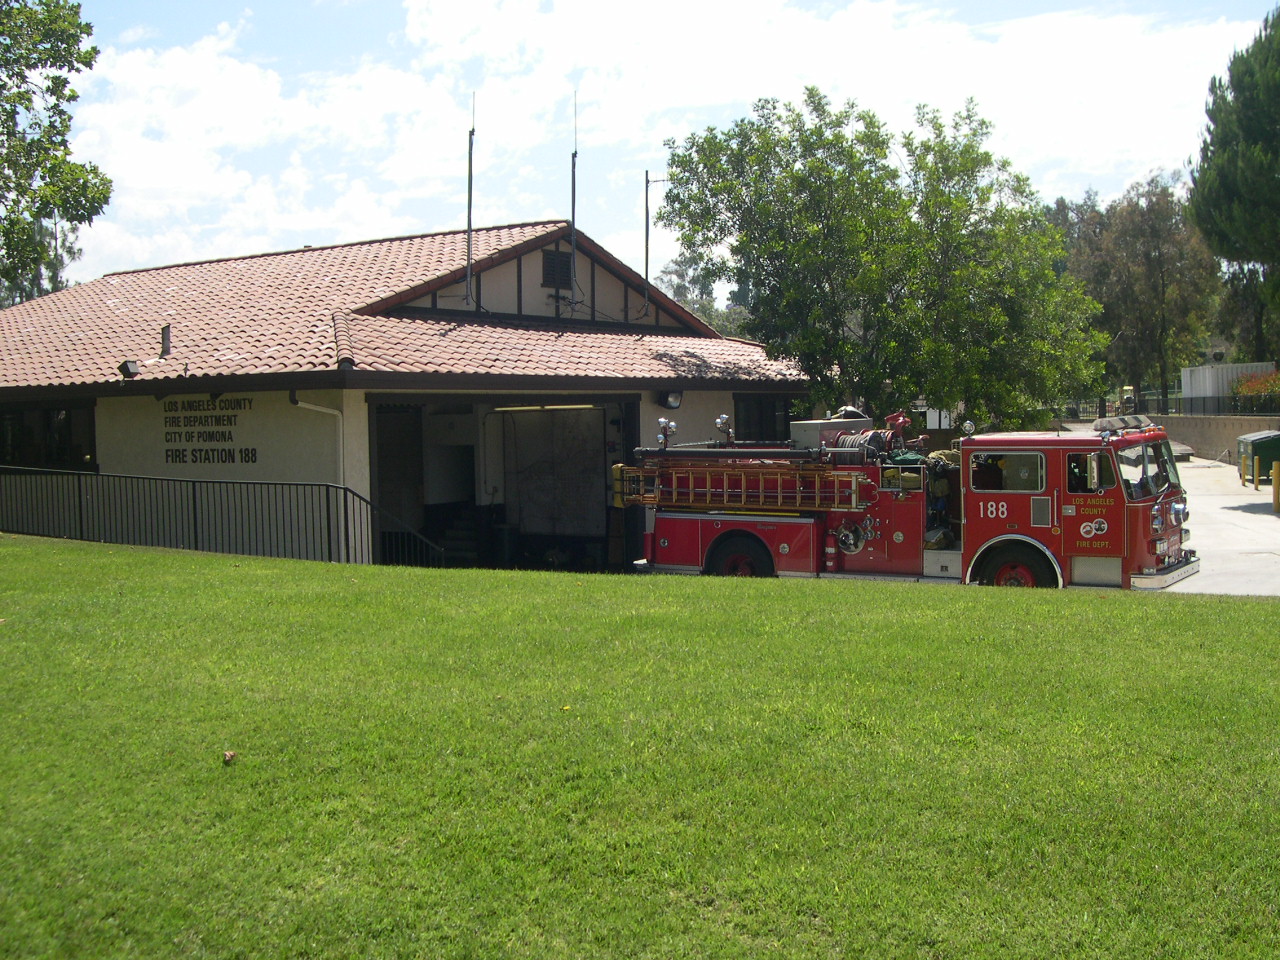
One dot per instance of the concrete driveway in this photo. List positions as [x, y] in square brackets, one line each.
[1234, 530]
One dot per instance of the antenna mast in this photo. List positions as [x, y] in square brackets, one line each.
[471, 149]
[573, 210]
[647, 183]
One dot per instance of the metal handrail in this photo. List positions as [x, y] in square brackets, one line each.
[305, 521]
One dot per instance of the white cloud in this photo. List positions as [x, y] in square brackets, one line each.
[137, 34]
[214, 151]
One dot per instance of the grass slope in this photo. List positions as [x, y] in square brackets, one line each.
[492, 764]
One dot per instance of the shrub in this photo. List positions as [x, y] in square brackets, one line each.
[1256, 384]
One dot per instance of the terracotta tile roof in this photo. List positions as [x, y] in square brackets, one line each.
[308, 310]
[440, 346]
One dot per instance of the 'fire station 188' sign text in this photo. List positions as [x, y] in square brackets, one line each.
[203, 431]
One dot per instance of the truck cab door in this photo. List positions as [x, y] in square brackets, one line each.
[1093, 520]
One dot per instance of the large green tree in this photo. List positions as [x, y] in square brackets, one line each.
[886, 268]
[1149, 267]
[1163, 284]
[42, 44]
[58, 243]
[1235, 195]
[1247, 312]
[1005, 329]
[687, 283]
[1235, 186]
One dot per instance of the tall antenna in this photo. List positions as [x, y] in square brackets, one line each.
[471, 150]
[573, 209]
[647, 183]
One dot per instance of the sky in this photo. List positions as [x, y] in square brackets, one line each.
[235, 128]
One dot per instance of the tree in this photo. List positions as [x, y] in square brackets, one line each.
[883, 281]
[1157, 280]
[1246, 314]
[1006, 330]
[1235, 190]
[690, 286]
[59, 250]
[39, 182]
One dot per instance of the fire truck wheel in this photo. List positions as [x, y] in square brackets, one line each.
[740, 557]
[1017, 567]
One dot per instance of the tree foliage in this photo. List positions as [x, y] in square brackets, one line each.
[1235, 196]
[685, 282]
[1247, 312]
[886, 268]
[1149, 267]
[58, 243]
[1235, 191]
[43, 46]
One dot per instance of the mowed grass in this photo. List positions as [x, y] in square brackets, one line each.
[496, 764]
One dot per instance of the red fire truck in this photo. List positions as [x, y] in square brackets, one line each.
[1009, 509]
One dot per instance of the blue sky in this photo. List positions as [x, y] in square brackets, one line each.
[238, 128]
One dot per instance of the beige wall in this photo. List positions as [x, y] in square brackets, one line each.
[499, 286]
[262, 436]
[695, 418]
[238, 436]
[1214, 437]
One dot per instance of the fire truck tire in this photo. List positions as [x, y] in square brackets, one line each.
[1016, 566]
[740, 557]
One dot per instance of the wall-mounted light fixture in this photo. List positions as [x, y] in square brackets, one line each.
[671, 399]
[129, 369]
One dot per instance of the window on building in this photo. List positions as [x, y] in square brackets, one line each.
[763, 418]
[557, 269]
[54, 437]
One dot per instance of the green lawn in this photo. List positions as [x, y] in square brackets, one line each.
[492, 764]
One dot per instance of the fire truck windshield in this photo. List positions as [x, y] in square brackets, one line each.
[1147, 469]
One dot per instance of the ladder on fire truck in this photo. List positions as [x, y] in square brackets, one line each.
[758, 485]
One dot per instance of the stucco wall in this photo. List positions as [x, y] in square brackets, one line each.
[237, 436]
[695, 418]
[1214, 437]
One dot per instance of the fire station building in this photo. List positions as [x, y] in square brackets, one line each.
[476, 387]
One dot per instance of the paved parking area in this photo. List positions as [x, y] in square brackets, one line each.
[1234, 530]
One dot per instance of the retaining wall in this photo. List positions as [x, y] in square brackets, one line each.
[1213, 438]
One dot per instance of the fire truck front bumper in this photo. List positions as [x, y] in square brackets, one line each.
[1167, 576]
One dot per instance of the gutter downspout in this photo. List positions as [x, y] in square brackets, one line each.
[342, 457]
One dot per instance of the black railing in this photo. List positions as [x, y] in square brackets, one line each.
[1265, 404]
[1259, 404]
[301, 521]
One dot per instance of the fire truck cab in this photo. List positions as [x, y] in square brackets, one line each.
[1006, 509]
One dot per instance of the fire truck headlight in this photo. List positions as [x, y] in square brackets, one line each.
[1180, 513]
[1157, 521]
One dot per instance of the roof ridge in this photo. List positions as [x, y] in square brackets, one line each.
[344, 348]
[337, 246]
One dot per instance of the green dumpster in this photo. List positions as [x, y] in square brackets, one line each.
[1265, 445]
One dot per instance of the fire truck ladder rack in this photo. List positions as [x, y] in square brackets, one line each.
[760, 486]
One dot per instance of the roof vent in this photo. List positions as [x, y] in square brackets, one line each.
[128, 369]
[166, 342]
